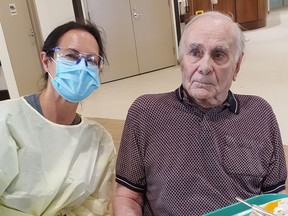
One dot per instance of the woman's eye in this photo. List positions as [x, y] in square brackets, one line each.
[91, 60]
[72, 57]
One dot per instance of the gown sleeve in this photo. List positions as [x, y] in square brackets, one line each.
[99, 202]
[8, 156]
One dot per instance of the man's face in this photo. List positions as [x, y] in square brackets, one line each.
[209, 63]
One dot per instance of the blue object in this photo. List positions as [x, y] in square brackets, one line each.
[239, 209]
[75, 82]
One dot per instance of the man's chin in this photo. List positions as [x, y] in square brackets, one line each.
[201, 94]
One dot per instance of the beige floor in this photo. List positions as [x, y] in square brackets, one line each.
[264, 72]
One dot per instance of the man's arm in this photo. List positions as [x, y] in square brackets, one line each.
[282, 192]
[127, 202]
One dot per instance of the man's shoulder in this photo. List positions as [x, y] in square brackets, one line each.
[253, 101]
[155, 98]
[148, 103]
[251, 98]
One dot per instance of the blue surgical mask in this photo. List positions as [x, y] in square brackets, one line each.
[75, 82]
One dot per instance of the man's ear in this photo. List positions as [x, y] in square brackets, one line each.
[238, 64]
[44, 60]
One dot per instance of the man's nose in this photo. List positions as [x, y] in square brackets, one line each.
[205, 65]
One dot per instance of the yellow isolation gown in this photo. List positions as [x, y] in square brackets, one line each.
[49, 169]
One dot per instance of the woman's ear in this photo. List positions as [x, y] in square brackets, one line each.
[238, 64]
[45, 61]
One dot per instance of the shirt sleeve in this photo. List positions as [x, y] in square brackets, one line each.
[130, 171]
[8, 157]
[276, 174]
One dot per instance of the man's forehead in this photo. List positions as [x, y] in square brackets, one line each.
[211, 24]
[205, 36]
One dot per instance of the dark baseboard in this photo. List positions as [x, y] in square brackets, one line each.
[4, 95]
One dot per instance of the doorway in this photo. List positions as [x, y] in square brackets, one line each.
[139, 35]
[275, 4]
[4, 94]
[22, 44]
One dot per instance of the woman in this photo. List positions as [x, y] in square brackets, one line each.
[52, 160]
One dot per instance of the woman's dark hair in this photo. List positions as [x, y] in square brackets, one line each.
[53, 38]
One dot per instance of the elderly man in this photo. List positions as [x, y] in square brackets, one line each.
[192, 151]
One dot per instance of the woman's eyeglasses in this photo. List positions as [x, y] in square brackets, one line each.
[74, 55]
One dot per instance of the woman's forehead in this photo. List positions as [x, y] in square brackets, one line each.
[78, 39]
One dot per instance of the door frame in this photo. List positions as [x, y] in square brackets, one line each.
[78, 11]
[7, 69]
[177, 21]
[35, 24]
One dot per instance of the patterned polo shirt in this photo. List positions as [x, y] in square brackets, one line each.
[189, 161]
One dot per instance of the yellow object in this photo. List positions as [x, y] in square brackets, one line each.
[277, 207]
[199, 12]
[49, 169]
[271, 206]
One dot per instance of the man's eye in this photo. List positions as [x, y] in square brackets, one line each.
[220, 57]
[195, 53]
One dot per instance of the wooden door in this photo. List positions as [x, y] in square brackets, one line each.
[200, 5]
[225, 6]
[246, 10]
[262, 9]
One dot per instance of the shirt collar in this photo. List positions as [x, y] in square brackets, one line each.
[231, 102]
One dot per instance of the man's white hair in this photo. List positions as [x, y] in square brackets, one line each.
[240, 37]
